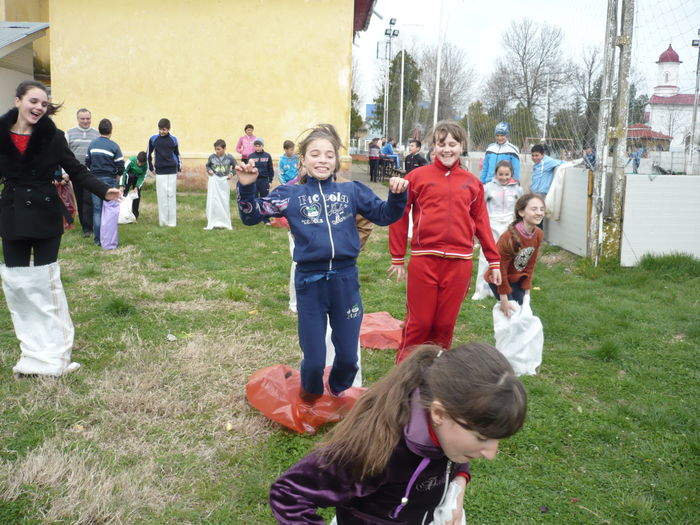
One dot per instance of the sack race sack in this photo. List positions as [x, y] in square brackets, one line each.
[381, 331]
[109, 229]
[521, 338]
[274, 391]
[218, 203]
[65, 193]
[279, 222]
[126, 211]
[443, 512]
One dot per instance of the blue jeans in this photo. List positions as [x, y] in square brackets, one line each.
[110, 181]
[517, 293]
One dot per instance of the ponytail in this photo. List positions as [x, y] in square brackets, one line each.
[364, 441]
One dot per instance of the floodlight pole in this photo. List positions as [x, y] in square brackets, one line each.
[441, 38]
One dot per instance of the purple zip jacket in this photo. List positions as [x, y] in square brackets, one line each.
[406, 492]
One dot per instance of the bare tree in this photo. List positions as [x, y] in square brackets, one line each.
[456, 80]
[532, 58]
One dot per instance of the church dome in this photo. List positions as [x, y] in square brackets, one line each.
[669, 55]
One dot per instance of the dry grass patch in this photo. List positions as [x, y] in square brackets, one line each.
[561, 257]
[162, 412]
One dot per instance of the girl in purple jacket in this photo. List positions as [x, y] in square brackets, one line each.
[402, 454]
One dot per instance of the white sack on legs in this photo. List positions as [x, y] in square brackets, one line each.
[166, 187]
[218, 203]
[39, 312]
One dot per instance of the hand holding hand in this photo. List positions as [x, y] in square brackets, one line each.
[398, 185]
[247, 173]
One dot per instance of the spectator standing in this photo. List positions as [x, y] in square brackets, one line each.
[542, 170]
[289, 163]
[246, 144]
[414, 159]
[79, 138]
[500, 150]
[374, 155]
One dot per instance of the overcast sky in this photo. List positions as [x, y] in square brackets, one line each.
[478, 26]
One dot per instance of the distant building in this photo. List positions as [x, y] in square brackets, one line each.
[642, 135]
[16, 57]
[671, 112]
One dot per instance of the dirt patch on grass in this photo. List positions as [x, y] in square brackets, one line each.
[559, 258]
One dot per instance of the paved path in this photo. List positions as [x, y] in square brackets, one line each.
[360, 172]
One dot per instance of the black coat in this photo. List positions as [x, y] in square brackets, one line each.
[30, 207]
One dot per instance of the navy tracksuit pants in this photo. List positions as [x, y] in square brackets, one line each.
[332, 295]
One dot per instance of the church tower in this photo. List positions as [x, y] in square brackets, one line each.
[667, 80]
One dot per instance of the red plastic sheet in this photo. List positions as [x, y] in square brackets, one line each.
[65, 192]
[380, 330]
[274, 391]
[279, 222]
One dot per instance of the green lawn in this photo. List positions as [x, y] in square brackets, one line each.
[139, 435]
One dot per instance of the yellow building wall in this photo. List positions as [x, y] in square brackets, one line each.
[31, 11]
[210, 66]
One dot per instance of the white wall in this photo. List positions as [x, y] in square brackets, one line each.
[662, 216]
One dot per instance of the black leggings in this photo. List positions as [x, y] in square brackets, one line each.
[18, 253]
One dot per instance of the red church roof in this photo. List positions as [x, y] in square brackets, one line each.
[669, 55]
[682, 99]
[642, 131]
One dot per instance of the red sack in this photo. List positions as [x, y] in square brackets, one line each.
[380, 330]
[274, 391]
[279, 222]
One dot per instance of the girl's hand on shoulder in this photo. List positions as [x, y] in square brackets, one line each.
[398, 270]
[398, 185]
[247, 173]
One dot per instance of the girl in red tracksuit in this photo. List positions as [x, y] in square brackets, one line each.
[448, 211]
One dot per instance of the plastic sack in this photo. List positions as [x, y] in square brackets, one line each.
[519, 338]
[274, 391]
[279, 222]
[65, 193]
[443, 512]
[109, 228]
[126, 212]
[381, 331]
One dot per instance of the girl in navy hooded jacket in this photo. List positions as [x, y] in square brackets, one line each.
[404, 449]
[321, 216]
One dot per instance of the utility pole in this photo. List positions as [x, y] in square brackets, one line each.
[441, 39]
[403, 56]
[690, 169]
[604, 235]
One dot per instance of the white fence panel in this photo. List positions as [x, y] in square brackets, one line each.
[662, 216]
[569, 232]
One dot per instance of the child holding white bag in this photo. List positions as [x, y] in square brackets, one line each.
[500, 194]
[407, 443]
[220, 166]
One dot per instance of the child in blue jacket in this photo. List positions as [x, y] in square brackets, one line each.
[321, 216]
[542, 170]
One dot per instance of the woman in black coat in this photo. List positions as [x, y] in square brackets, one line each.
[31, 222]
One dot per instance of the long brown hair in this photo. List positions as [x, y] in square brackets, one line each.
[452, 127]
[520, 205]
[474, 382]
[320, 131]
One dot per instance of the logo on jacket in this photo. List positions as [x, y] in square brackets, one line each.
[336, 212]
[311, 213]
[523, 257]
[430, 483]
[353, 312]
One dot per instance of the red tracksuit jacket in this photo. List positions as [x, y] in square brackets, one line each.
[448, 210]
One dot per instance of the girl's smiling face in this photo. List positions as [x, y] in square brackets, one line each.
[448, 151]
[32, 106]
[320, 159]
[533, 213]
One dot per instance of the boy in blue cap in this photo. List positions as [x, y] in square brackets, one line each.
[500, 150]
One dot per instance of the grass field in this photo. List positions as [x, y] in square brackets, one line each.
[140, 434]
